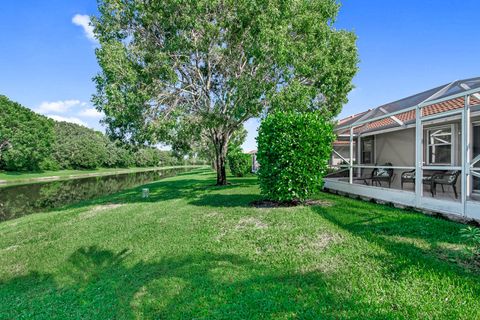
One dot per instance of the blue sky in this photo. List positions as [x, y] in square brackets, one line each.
[47, 58]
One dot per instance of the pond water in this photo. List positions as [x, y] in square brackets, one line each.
[20, 200]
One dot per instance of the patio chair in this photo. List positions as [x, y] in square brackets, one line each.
[382, 174]
[409, 177]
[448, 178]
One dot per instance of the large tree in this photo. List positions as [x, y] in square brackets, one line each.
[25, 137]
[177, 71]
[79, 147]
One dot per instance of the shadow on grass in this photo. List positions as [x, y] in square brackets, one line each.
[101, 284]
[225, 200]
[409, 239]
[20, 200]
[196, 187]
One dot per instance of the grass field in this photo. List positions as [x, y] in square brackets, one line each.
[195, 251]
[14, 176]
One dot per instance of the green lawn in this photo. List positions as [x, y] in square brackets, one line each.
[13, 176]
[193, 250]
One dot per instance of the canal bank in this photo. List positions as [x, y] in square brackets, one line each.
[14, 178]
[22, 199]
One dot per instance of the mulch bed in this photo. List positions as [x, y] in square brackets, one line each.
[286, 204]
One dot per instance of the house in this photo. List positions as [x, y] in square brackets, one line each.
[255, 164]
[435, 135]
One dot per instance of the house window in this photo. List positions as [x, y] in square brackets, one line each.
[367, 147]
[476, 153]
[439, 146]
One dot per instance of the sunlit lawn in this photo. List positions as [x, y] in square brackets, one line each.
[197, 251]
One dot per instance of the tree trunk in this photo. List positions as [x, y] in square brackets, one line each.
[214, 164]
[4, 145]
[221, 145]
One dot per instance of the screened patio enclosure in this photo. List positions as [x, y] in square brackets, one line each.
[422, 151]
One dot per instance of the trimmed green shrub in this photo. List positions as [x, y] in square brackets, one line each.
[293, 153]
[239, 163]
[30, 137]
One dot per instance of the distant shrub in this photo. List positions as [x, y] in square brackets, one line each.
[293, 153]
[239, 163]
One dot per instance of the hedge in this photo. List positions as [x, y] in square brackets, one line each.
[293, 153]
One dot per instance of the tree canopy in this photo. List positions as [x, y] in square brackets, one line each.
[31, 142]
[79, 147]
[26, 137]
[179, 71]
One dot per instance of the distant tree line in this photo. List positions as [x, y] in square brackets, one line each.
[32, 142]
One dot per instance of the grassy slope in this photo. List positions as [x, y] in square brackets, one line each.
[14, 176]
[197, 251]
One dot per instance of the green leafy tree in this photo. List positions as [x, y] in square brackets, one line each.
[119, 155]
[78, 147]
[167, 158]
[183, 71]
[204, 149]
[25, 137]
[238, 162]
[4, 145]
[293, 153]
[147, 157]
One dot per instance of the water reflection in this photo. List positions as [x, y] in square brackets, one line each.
[17, 201]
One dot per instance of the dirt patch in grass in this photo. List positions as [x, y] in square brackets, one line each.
[17, 268]
[458, 254]
[11, 248]
[106, 207]
[97, 209]
[250, 223]
[327, 265]
[317, 245]
[320, 241]
[323, 240]
[212, 214]
[286, 204]
[244, 224]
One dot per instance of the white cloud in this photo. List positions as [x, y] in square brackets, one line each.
[72, 110]
[83, 20]
[90, 113]
[58, 106]
[67, 119]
